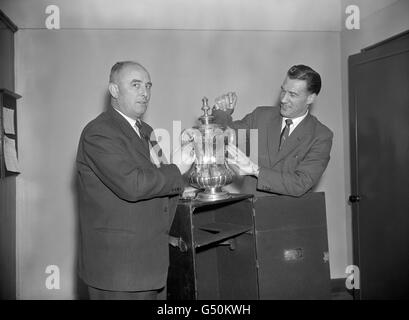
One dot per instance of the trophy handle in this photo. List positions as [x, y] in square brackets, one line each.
[190, 135]
[231, 135]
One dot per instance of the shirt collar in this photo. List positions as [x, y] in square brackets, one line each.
[130, 120]
[296, 121]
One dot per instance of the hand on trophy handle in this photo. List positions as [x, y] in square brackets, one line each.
[226, 102]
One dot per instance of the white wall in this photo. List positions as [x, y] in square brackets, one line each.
[380, 20]
[62, 76]
[300, 15]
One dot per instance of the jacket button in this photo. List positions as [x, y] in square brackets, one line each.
[165, 209]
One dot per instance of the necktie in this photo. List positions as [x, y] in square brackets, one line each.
[157, 156]
[286, 132]
[142, 133]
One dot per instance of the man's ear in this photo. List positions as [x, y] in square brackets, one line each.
[311, 98]
[113, 90]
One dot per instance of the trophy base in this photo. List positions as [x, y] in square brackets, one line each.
[212, 194]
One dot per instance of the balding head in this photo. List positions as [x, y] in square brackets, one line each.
[118, 67]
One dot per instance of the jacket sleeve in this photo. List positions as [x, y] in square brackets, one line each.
[304, 177]
[225, 119]
[132, 180]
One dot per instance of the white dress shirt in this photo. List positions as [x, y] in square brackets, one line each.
[154, 156]
[296, 122]
[131, 122]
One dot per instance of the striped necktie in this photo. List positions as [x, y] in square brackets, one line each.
[142, 132]
[157, 156]
[286, 132]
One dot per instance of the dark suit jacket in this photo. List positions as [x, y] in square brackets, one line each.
[125, 208]
[300, 163]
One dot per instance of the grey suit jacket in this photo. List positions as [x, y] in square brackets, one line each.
[126, 205]
[300, 163]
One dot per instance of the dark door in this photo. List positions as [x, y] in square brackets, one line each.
[379, 127]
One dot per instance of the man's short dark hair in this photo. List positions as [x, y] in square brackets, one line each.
[117, 67]
[302, 72]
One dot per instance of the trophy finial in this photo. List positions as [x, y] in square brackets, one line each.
[206, 118]
[205, 106]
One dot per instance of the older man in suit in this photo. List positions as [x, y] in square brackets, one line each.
[127, 197]
[293, 146]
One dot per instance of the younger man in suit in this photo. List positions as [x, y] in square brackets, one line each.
[293, 146]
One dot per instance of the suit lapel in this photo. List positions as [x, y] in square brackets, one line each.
[130, 133]
[302, 131]
[273, 137]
